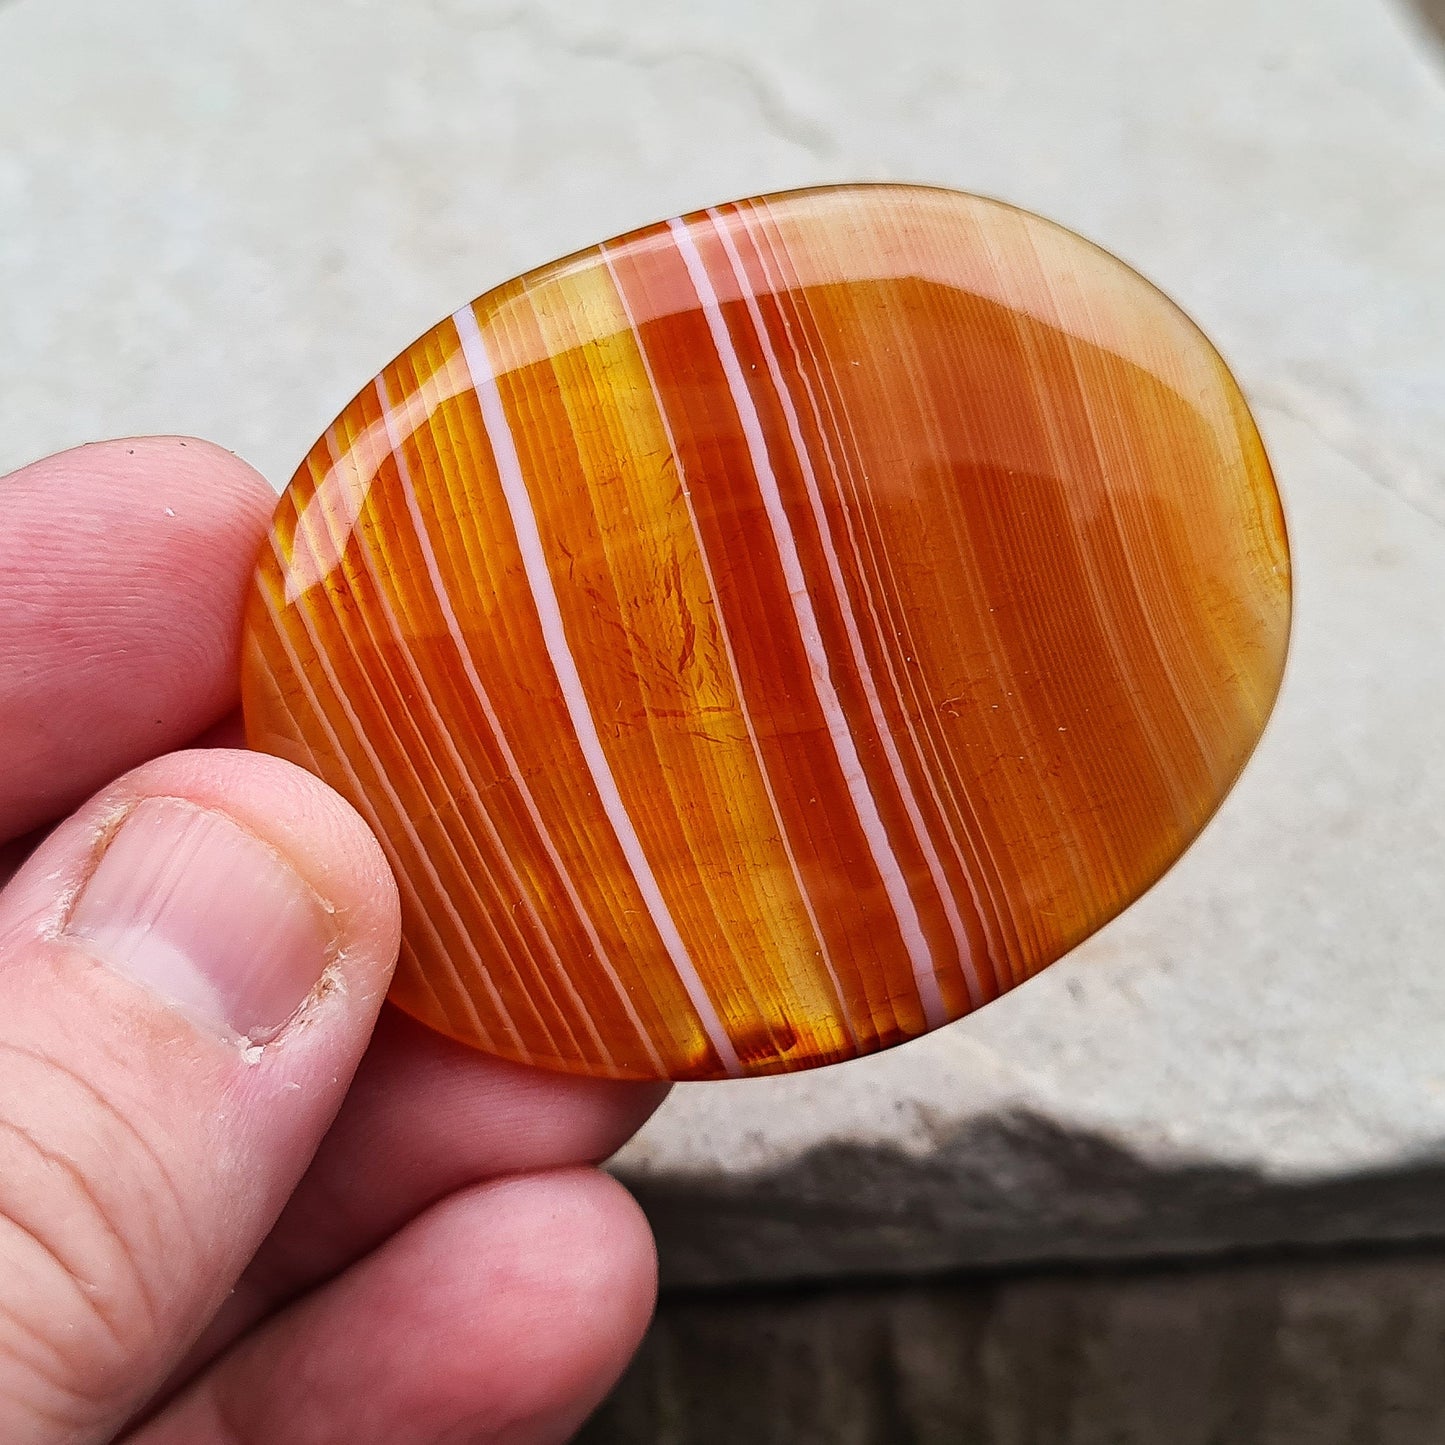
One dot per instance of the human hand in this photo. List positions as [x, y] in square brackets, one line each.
[171, 1253]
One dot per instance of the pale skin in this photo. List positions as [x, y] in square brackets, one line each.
[356, 1232]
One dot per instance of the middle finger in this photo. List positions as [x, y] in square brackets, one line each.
[424, 1118]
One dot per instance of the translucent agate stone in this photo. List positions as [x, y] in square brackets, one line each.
[771, 635]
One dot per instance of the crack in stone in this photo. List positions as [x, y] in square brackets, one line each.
[780, 118]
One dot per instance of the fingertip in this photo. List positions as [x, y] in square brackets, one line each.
[504, 1313]
[528, 1298]
[124, 568]
[190, 968]
[586, 1285]
[259, 803]
[165, 469]
[159, 492]
[310, 824]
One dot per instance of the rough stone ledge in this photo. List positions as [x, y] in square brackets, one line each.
[1285, 1351]
[1011, 1190]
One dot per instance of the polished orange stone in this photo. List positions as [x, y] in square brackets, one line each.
[769, 636]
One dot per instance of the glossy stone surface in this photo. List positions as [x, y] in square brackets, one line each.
[768, 636]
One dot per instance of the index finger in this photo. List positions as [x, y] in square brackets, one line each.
[123, 574]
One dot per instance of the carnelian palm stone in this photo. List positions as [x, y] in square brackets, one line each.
[768, 636]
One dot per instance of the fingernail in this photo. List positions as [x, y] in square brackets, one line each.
[207, 916]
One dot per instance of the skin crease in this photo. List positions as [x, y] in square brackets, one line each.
[361, 1231]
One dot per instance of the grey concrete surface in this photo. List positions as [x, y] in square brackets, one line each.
[221, 219]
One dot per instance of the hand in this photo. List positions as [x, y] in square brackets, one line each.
[209, 1231]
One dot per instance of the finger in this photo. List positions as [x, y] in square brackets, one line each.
[443, 1117]
[123, 572]
[230, 732]
[189, 970]
[16, 851]
[503, 1314]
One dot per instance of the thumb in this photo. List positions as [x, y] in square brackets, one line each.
[190, 968]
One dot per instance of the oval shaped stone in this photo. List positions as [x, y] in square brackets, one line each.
[769, 636]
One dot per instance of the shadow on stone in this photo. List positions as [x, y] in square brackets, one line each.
[1432, 13]
[1011, 1190]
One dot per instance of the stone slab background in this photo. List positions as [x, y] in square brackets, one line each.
[1284, 1352]
[221, 218]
